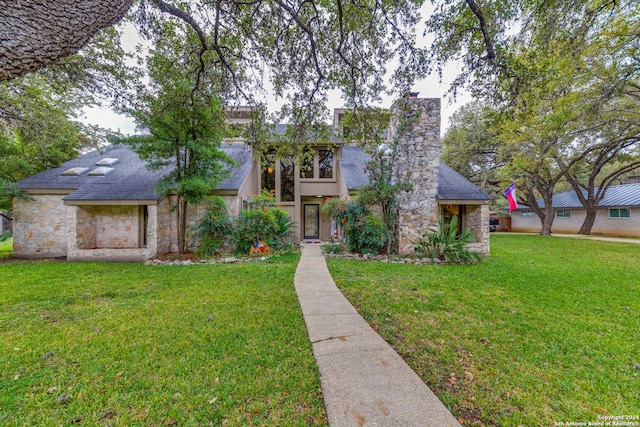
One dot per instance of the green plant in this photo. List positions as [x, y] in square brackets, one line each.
[332, 248]
[445, 244]
[214, 227]
[363, 231]
[264, 221]
[372, 235]
[5, 236]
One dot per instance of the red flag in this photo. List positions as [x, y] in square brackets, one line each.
[510, 194]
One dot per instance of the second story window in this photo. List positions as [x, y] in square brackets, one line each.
[269, 175]
[287, 180]
[307, 169]
[325, 163]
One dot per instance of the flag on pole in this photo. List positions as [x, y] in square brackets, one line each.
[510, 194]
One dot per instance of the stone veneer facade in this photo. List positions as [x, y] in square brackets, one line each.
[416, 128]
[38, 235]
[477, 221]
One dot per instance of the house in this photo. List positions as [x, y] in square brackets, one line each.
[102, 205]
[618, 213]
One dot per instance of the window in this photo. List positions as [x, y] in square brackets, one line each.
[269, 174]
[620, 213]
[287, 180]
[307, 165]
[325, 163]
[527, 212]
[563, 213]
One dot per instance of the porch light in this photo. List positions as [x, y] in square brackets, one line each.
[269, 169]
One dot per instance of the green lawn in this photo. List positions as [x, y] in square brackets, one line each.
[545, 330]
[129, 344]
[6, 248]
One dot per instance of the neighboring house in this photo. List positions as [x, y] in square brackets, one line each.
[618, 213]
[102, 205]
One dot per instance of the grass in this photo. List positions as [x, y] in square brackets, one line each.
[546, 330]
[6, 248]
[129, 344]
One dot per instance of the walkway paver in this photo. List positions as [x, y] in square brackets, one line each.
[364, 381]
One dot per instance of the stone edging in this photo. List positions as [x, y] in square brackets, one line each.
[386, 259]
[226, 260]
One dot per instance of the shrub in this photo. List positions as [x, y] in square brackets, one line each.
[263, 221]
[363, 231]
[5, 236]
[214, 227]
[444, 244]
[332, 248]
[372, 235]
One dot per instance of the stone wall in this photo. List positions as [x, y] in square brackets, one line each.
[477, 222]
[416, 128]
[85, 229]
[167, 222]
[114, 231]
[41, 226]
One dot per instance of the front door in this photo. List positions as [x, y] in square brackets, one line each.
[312, 221]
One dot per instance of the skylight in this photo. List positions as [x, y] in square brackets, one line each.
[107, 161]
[101, 171]
[74, 171]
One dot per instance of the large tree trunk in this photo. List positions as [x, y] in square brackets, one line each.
[547, 222]
[36, 33]
[590, 217]
[182, 224]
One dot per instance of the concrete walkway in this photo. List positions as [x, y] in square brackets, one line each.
[364, 381]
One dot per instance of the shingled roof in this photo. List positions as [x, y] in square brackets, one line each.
[129, 180]
[451, 185]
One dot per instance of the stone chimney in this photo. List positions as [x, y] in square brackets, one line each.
[415, 126]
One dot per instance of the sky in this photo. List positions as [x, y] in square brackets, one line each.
[428, 87]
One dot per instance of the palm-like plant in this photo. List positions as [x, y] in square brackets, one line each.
[444, 243]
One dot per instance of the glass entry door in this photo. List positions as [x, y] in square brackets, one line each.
[312, 221]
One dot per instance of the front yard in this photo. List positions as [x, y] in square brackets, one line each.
[129, 344]
[547, 330]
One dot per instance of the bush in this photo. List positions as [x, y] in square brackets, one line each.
[263, 221]
[214, 227]
[363, 231]
[444, 244]
[372, 235]
[5, 236]
[332, 248]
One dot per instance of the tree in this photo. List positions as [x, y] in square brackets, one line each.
[37, 131]
[37, 33]
[612, 151]
[471, 146]
[551, 69]
[183, 114]
[368, 128]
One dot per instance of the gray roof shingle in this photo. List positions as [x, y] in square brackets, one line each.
[451, 185]
[130, 179]
[352, 166]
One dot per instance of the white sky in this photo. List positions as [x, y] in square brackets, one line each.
[428, 87]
